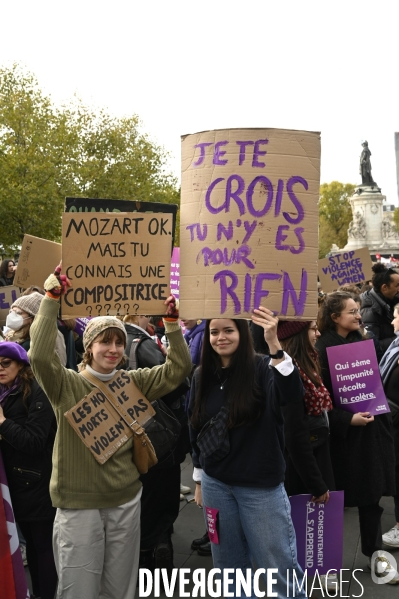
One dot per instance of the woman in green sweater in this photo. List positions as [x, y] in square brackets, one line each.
[97, 525]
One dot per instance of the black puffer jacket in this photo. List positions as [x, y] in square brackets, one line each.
[363, 457]
[377, 315]
[27, 439]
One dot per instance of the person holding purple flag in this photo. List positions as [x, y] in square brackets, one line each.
[27, 433]
[361, 445]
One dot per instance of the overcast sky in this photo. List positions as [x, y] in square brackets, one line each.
[186, 66]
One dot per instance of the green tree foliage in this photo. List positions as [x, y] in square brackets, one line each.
[47, 153]
[335, 214]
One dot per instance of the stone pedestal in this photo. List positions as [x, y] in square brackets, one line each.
[371, 227]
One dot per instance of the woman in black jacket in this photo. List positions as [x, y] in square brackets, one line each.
[361, 445]
[239, 472]
[306, 428]
[27, 432]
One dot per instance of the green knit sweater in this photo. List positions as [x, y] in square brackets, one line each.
[78, 481]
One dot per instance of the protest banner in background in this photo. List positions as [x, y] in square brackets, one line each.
[249, 223]
[8, 295]
[356, 381]
[102, 205]
[104, 427]
[38, 259]
[319, 530]
[175, 273]
[117, 263]
[345, 268]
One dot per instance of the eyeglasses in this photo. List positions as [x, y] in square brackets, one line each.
[5, 363]
[354, 312]
[315, 329]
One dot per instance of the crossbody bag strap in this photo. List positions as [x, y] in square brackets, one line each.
[131, 422]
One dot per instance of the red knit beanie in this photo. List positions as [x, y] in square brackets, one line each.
[289, 328]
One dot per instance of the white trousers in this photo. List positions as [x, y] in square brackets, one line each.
[97, 552]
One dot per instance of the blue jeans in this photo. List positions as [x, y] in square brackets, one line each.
[254, 524]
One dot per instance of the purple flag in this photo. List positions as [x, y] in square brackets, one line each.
[20, 590]
[355, 378]
[175, 273]
[319, 530]
[81, 324]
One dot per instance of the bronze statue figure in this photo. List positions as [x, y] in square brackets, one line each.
[365, 165]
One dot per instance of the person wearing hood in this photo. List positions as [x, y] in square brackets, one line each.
[378, 303]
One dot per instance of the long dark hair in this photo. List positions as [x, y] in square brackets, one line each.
[245, 400]
[334, 303]
[301, 350]
[4, 268]
[26, 377]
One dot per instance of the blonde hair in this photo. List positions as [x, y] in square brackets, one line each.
[131, 319]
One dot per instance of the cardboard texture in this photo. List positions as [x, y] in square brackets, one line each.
[249, 223]
[38, 258]
[345, 268]
[104, 205]
[117, 263]
[103, 427]
[8, 295]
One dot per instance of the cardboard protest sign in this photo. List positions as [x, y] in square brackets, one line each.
[319, 530]
[8, 295]
[103, 427]
[103, 205]
[356, 380]
[117, 264]
[345, 268]
[249, 223]
[38, 258]
[175, 273]
[98, 425]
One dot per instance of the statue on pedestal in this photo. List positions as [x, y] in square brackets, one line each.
[365, 165]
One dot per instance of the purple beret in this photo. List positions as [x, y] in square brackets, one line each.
[13, 351]
[289, 328]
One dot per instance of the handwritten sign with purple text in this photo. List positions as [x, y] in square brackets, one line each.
[249, 223]
[345, 268]
[355, 378]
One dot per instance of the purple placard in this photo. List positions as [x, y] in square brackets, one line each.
[355, 378]
[319, 530]
[175, 273]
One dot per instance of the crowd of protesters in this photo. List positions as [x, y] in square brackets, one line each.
[264, 385]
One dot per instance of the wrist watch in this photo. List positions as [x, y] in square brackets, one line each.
[278, 355]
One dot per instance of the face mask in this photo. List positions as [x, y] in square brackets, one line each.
[15, 321]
